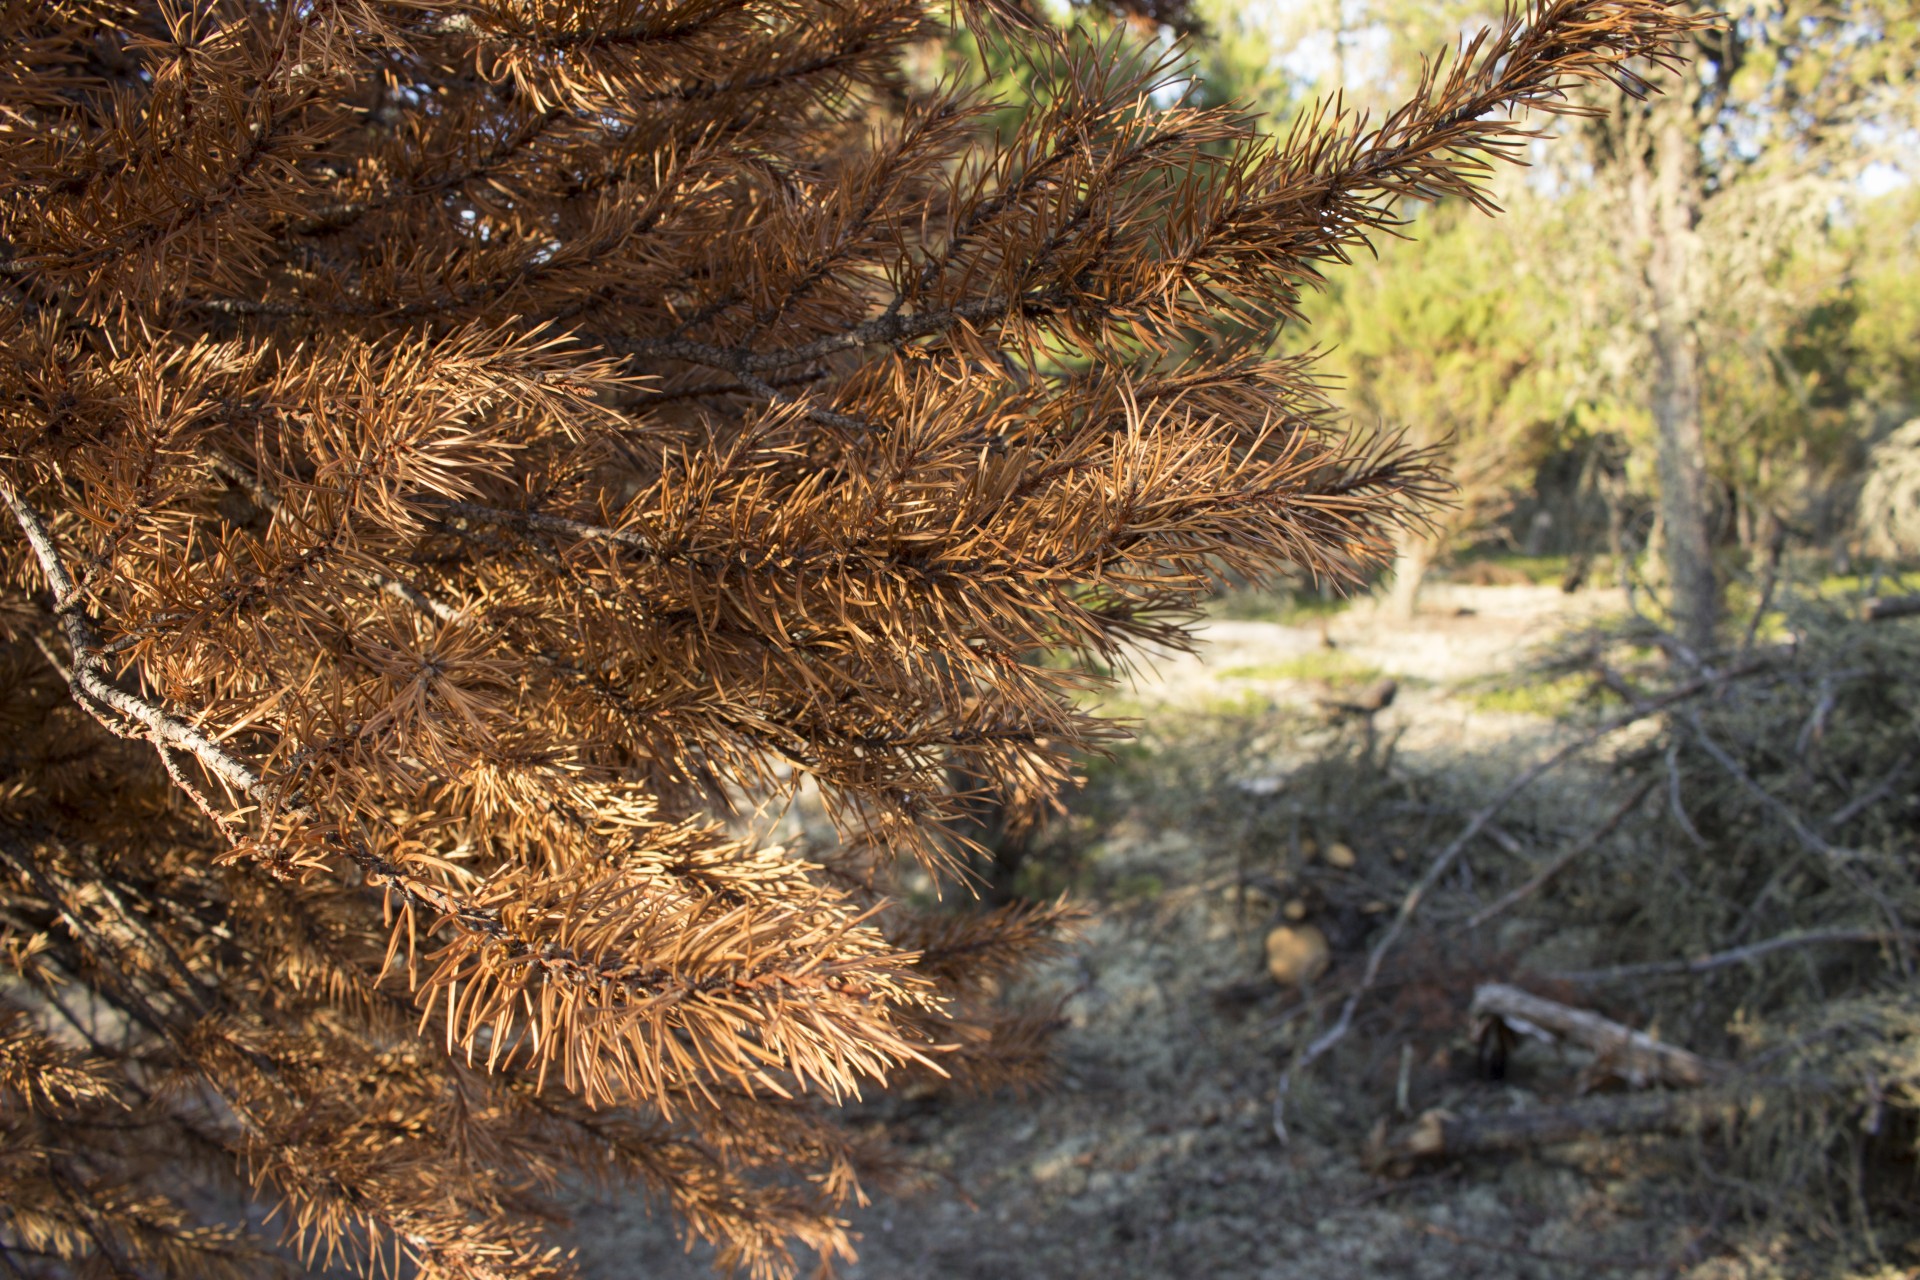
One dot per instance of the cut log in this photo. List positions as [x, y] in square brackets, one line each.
[1879, 608]
[1632, 1056]
[1297, 955]
[1440, 1134]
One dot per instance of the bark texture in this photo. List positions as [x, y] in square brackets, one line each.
[1668, 197]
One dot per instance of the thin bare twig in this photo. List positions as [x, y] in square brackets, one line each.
[1721, 959]
[1566, 858]
[1676, 804]
[1867, 799]
[1770, 579]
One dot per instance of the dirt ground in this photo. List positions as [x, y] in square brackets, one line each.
[1154, 1154]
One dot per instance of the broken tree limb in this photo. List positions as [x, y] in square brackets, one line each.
[1441, 1134]
[1633, 1056]
[1840, 861]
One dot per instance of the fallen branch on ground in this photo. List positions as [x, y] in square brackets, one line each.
[1880, 608]
[1587, 1261]
[1441, 1134]
[1619, 1050]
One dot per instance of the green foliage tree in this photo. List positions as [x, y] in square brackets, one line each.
[1812, 359]
[1454, 339]
[1734, 319]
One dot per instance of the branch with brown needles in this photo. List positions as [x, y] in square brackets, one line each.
[474, 448]
[94, 691]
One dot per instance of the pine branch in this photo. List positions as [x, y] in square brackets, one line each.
[359, 423]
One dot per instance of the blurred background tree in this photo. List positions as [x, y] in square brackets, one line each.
[1457, 344]
[1744, 166]
[1700, 318]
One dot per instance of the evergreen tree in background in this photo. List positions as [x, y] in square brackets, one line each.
[454, 452]
[1448, 343]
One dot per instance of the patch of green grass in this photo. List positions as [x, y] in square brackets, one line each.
[1039, 879]
[1330, 665]
[1139, 887]
[1890, 582]
[1289, 608]
[1067, 660]
[1500, 568]
[1550, 698]
[1232, 706]
[1118, 761]
[1110, 706]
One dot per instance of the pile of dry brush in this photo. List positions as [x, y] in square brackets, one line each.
[1725, 851]
[450, 449]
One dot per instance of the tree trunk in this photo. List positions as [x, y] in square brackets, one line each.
[1668, 203]
[1413, 554]
[1613, 487]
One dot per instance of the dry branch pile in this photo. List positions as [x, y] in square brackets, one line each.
[451, 448]
[1717, 912]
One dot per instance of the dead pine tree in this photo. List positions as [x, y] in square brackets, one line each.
[448, 449]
